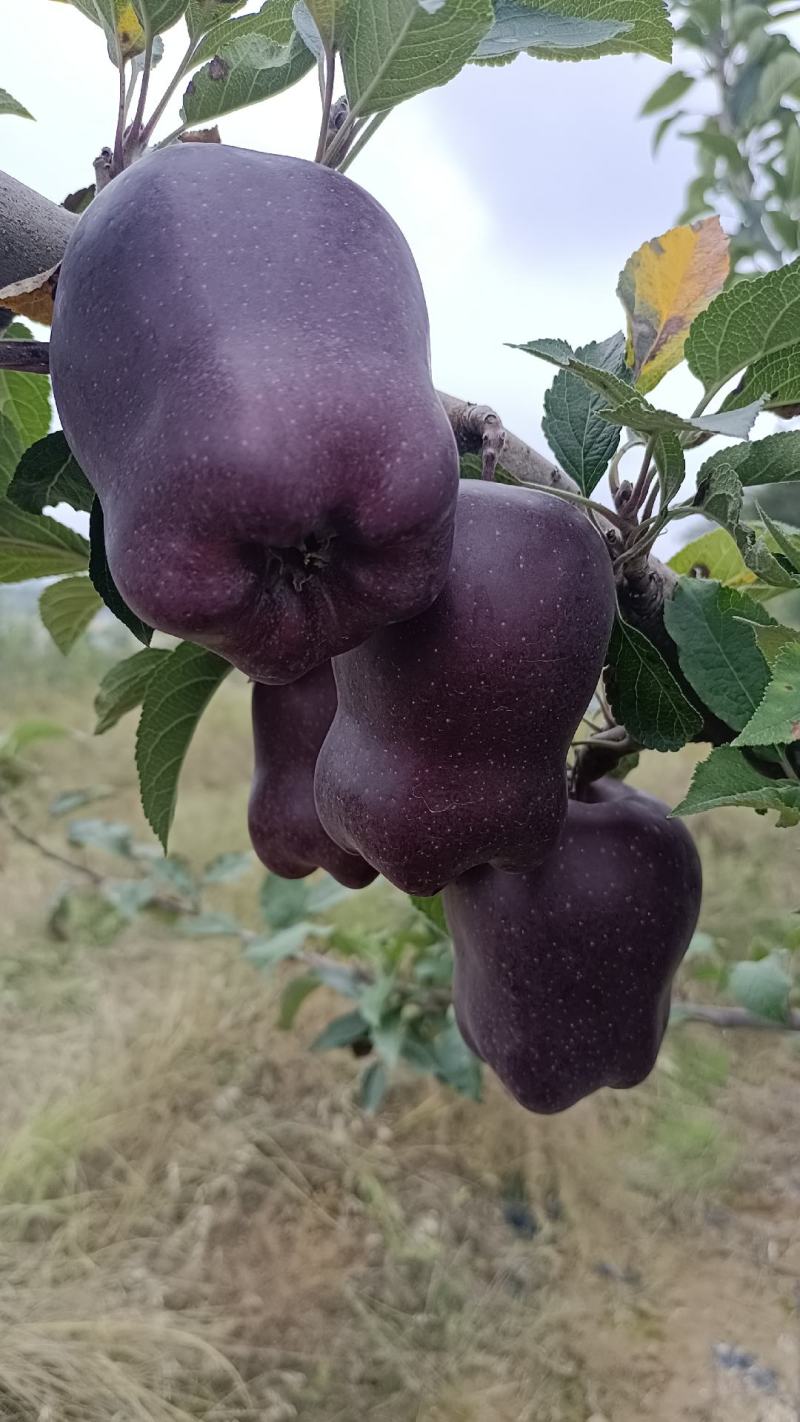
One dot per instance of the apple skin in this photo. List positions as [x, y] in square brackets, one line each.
[448, 748]
[562, 976]
[240, 361]
[289, 726]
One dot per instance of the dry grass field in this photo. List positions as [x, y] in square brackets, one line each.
[197, 1223]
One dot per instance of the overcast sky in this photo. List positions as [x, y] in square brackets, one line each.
[522, 190]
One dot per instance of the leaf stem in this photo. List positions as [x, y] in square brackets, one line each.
[579, 499]
[370, 128]
[147, 131]
[119, 159]
[147, 65]
[329, 67]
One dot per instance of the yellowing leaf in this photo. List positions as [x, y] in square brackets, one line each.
[663, 286]
[129, 30]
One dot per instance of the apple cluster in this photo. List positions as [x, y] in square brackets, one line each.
[240, 360]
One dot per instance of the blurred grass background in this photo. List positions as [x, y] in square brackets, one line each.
[196, 1222]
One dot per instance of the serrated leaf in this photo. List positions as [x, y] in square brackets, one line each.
[123, 687]
[720, 496]
[283, 901]
[47, 474]
[650, 32]
[103, 581]
[340, 1032]
[250, 59]
[773, 638]
[668, 92]
[774, 379]
[714, 555]
[626, 406]
[762, 987]
[671, 465]
[203, 15]
[159, 15]
[755, 318]
[373, 1087]
[34, 546]
[644, 695]
[717, 651]
[663, 286]
[398, 48]
[292, 999]
[581, 441]
[175, 699]
[773, 460]
[11, 448]
[776, 721]
[728, 778]
[785, 540]
[760, 558]
[307, 28]
[66, 609]
[25, 401]
[10, 105]
[519, 28]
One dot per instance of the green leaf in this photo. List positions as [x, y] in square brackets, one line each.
[433, 910]
[250, 59]
[644, 695]
[624, 405]
[224, 868]
[373, 1086]
[662, 129]
[11, 447]
[518, 28]
[581, 441]
[283, 901]
[728, 778]
[773, 638]
[760, 558]
[159, 15]
[392, 51]
[455, 1063]
[756, 317]
[324, 893]
[292, 999]
[123, 687]
[70, 800]
[267, 952]
[720, 495]
[109, 835]
[66, 609]
[762, 987]
[340, 1032]
[24, 399]
[776, 721]
[648, 27]
[27, 733]
[785, 543]
[202, 15]
[9, 105]
[773, 460]
[101, 577]
[774, 379]
[33, 546]
[47, 474]
[780, 79]
[210, 925]
[716, 555]
[671, 465]
[174, 700]
[717, 651]
[668, 92]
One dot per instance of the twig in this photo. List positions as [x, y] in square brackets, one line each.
[519, 459]
[734, 1017]
[27, 357]
[479, 430]
[119, 156]
[134, 135]
[26, 838]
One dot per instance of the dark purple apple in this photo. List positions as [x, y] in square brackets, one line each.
[289, 726]
[240, 361]
[449, 744]
[563, 976]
